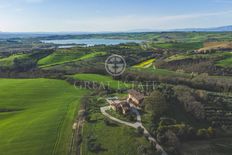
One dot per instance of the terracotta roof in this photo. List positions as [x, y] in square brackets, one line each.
[125, 106]
[137, 95]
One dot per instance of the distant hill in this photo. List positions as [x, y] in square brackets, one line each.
[7, 35]
[213, 29]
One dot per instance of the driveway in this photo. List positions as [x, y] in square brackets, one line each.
[134, 125]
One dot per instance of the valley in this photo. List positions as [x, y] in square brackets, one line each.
[185, 78]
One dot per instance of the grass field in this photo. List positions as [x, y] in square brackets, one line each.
[59, 58]
[162, 72]
[36, 116]
[103, 80]
[145, 64]
[227, 62]
[9, 61]
[114, 140]
[179, 45]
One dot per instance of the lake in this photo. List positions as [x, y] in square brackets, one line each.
[91, 42]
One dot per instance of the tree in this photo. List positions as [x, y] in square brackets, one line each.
[211, 132]
[140, 130]
[202, 133]
[156, 103]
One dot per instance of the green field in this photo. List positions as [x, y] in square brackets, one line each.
[59, 58]
[36, 116]
[227, 62]
[162, 72]
[114, 140]
[179, 45]
[9, 61]
[103, 80]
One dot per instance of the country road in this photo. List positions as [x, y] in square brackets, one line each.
[134, 125]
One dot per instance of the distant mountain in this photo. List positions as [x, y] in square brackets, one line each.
[7, 35]
[214, 29]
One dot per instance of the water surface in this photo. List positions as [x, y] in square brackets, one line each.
[91, 42]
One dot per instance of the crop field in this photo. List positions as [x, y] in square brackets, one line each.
[36, 116]
[145, 64]
[216, 46]
[59, 58]
[103, 80]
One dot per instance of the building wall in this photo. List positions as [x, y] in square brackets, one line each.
[134, 99]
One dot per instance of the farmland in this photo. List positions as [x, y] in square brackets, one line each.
[188, 95]
[36, 116]
[145, 64]
[63, 57]
[103, 80]
[226, 62]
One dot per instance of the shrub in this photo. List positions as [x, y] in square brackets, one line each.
[140, 131]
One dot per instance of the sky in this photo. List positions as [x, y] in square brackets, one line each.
[111, 15]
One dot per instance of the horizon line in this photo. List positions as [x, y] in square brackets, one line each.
[127, 31]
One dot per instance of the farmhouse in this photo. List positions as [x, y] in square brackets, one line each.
[125, 107]
[120, 106]
[135, 97]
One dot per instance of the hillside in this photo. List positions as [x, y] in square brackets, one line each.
[36, 116]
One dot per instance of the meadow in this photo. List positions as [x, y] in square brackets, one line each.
[103, 80]
[62, 57]
[36, 116]
[178, 45]
[162, 72]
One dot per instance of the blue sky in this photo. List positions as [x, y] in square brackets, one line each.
[111, 15]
